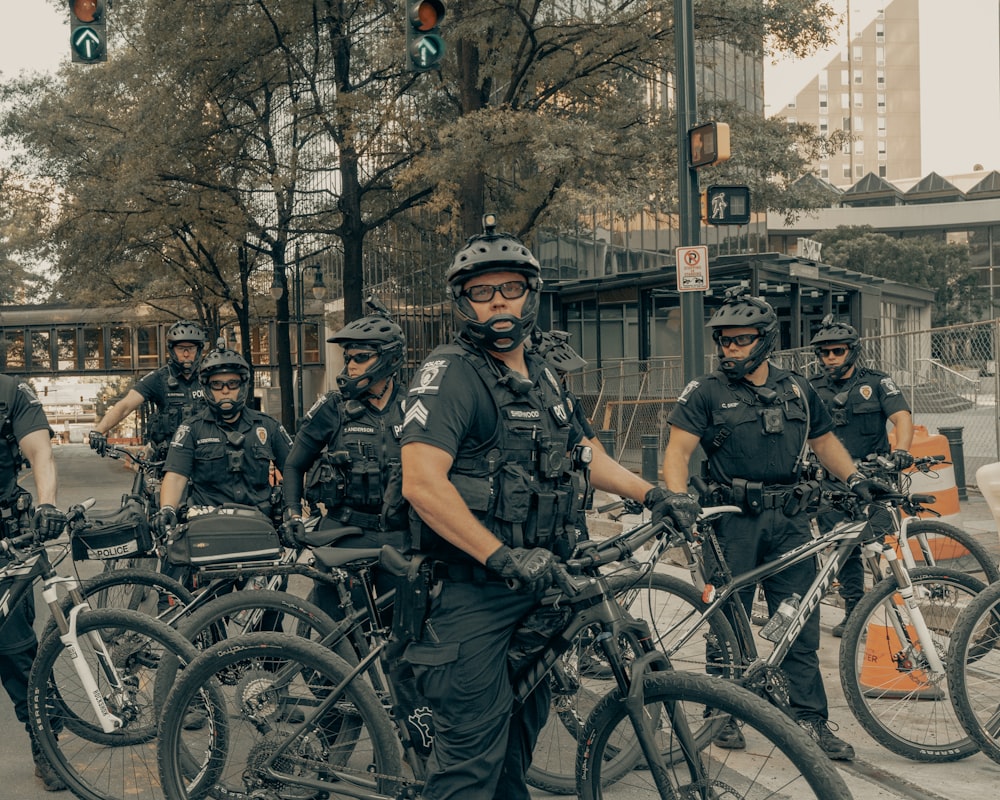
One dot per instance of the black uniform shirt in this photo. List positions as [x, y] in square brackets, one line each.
[228, 463]
[733, 421]
[26, 416]
[869, 398]
[158, 388]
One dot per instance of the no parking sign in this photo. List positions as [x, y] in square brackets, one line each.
[692, 268]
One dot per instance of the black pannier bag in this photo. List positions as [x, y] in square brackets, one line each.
[229, 533]
[121, 534]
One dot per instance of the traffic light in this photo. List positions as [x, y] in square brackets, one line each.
[728, 205]
[88, 34]
[424, 45]
[708, 144]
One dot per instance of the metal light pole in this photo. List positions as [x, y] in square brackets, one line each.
[279, 289]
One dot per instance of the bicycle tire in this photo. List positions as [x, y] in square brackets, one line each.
[974, 670]
[353, 741]
[95, 765]
[152, 584]
[109, 598]
[952, 548]
[779, 759]
[668, 605]
[903, 707]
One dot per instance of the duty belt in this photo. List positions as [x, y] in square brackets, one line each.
[755, 497]
[463, 573]
[348, 516]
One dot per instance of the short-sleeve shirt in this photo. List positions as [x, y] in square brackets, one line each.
[155, 387]
[754, 433]
[26, 416]
[864, 402]
[228, 463]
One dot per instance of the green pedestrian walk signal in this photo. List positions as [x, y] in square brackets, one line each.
[88, 32]
[424, 46]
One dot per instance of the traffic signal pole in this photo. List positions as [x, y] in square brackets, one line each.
[692, 303]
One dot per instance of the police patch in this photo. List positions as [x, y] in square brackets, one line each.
[687, 391]
[559, 412]
[889, 387]
[552, 379]
[180, 435]
[30, 393]
[866, 392]
[430, 377]
[261, 434]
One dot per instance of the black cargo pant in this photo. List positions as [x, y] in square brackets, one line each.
[481, 750]
[749, 541]
[18, 648]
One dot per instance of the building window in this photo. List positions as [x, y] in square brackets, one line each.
[879, 31]
[791, 104]
[847, 171]
[880, 78]
[790, 120]
[880, 56]
[859, 147]
[845, 100]
[844, 77]
[858, 53]
[846, 149]
[881, 148]
[880, 124]
[882, 170]
[859, 170]
[859, 100]
[824, 125]
[823, 101]
[846, 124]
[859, 77]
[824, 173]
[824, 79]
[859, 124]
[880, 101]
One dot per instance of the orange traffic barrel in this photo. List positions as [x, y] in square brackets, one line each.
[886, 672]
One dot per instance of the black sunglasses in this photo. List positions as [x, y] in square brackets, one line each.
[823, 352]
[740, 339]
[359, 358]
[232, 383]
[483, 293]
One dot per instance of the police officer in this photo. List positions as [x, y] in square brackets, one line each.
[860, 400]
[173, 389]
[348, 442]
[494, 470]
[26, 437]
[754, 421]
[225, 452]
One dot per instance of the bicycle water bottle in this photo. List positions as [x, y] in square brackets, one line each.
[778, 624]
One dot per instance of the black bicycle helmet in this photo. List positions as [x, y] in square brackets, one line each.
[741, 310]
[185, 331]
[494, 252]
[382, 335]
[219, 362]
[831, 332]
[554, 347]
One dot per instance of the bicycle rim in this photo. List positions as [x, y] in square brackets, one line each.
[777, 761]
[938, 544]
[584, 675]
[974, 670]
[97, 765]
[887, 679]
[264, 732]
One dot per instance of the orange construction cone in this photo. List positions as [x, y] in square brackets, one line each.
[883, 676]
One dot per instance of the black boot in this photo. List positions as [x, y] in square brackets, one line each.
[838, 629]
[43, 770]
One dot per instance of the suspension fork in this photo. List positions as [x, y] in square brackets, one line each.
[905, 590]
[68, 636]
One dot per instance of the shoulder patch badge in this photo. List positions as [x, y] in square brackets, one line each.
[866, 391]
[889, 386]
[692, 385]
[430, 377]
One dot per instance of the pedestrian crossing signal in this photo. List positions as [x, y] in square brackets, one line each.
[727, 205]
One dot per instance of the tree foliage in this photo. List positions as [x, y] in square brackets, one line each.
[923, 261]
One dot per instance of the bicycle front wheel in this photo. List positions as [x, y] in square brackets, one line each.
[886, 673]
[778, 760]
[937, 544]
[96, 765]
[273, 727]
[583, 675]
[974, 670]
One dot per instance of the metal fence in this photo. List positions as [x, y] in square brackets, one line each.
[949, 376]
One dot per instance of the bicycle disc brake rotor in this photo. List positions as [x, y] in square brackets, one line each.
[256, 696]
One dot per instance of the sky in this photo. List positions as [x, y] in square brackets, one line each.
[960, 71]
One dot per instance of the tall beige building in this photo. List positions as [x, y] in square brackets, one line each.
[871, 90]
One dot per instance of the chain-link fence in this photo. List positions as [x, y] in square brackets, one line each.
[949, 376]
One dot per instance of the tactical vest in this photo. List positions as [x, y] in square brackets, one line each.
[355, 481]
[182, 398]
[856, 411]
[523, 486]
[742, 415]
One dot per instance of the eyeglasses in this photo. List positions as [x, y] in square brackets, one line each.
[483, 293]
[826, 352]
[740, 339]
[359, 358]
[218, 386]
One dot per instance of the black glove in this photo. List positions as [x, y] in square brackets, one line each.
[868, 489]
[681, 509]
[48, 521]
[531, 569]
[98, 442]
[292, 532]
[165, 519]
[901, 459]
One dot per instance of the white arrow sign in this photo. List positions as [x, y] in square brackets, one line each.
[87, 44]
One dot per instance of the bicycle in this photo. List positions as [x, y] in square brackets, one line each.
[89, 705]
[974, 670]
[907, 614]
[343, 743]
